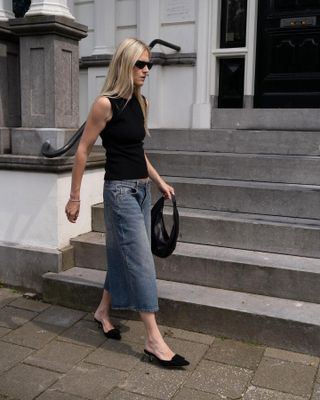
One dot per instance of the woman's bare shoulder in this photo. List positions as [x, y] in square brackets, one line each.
[102, 106]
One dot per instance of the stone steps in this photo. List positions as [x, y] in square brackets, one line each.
[246, 167]
[247, 262]
[283, 323]
[278, 199]
[268, 274]
[258, 232]
[236, 141]
[287, 200]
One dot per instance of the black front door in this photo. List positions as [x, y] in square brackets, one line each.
[288, 54]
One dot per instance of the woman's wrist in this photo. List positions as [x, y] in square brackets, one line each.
[75, 198]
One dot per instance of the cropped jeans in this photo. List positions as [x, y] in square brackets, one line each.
[131, 277]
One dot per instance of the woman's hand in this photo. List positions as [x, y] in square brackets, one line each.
[166, 190]
[72, 210]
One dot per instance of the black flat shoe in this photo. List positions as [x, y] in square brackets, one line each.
[175, 362]
[112, 334]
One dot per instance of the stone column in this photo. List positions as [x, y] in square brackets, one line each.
[104, 34]
[9, 77]
[49, 70]
[34, 231]
[6, 10]
[52, 7]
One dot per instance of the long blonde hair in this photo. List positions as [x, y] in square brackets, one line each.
[119, 81]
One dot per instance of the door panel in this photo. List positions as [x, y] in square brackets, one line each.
[288, 54]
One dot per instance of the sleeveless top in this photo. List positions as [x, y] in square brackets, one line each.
[123, 138]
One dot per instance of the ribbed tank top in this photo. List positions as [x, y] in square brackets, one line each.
[123, 140]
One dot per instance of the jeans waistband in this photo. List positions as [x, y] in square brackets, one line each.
[135, 182]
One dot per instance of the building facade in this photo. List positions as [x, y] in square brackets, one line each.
[242, 65]
[238, 54]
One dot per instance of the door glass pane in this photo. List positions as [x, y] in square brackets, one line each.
[233, 23]
[231, 82]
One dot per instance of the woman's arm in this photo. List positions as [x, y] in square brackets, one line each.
[164, 188]
[99, 115]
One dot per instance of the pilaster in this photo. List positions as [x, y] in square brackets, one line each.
[201, 109]
[104, 35]
[148, 25]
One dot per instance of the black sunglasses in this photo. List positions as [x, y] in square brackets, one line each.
[141, 64]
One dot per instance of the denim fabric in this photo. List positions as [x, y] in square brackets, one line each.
[131, 278]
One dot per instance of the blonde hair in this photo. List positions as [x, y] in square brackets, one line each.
[119, 81]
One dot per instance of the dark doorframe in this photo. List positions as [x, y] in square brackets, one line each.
[288, 54]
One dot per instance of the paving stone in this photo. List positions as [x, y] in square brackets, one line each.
[291, 356]
[4, 331]
[58, 356]
[192, 351]
[60, 316]
[191, 394]
[56, 395]
[119, 322]
[220, 379]
[119, 394]
[116, 354]
[254, 393]
[7, 296]
[32, 334]
[316, 392]
[85, 333]
[32, 305]
[318, 375]
[133, 331]
[11, 317]
[285, 376]
[11, 354]
[235, 353]
[187, 335]
[152, 381]
[25, 382]
[90, 381]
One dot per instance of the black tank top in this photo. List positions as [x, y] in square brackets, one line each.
[123, 140]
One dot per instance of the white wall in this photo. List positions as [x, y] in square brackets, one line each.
[171, 89]
[32, 207]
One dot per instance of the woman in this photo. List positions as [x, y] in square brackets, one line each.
[119, 115]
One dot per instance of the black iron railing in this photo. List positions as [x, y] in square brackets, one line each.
[46, 149]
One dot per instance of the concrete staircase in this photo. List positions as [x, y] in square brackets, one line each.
[247, 262]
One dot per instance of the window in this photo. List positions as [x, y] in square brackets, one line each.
[233, 23]
[231, 82]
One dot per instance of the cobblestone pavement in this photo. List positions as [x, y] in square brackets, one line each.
[54, 353]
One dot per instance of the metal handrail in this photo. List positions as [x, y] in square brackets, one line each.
[50, 153]
[164, 43]
[46, 149]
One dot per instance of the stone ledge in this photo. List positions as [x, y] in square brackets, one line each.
[23, 266]
[51, 165]
[48, 24]
[6, 33]
[103, 60]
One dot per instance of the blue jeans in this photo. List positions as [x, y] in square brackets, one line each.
[131, 278]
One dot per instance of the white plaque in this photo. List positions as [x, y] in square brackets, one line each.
[177, 11]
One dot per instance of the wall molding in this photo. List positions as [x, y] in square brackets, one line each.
[103, 60]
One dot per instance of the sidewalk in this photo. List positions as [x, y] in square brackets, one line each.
[54, 353]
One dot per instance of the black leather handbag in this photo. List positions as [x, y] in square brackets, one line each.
[162, 244]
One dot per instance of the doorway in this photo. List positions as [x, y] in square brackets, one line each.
[288, 54]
